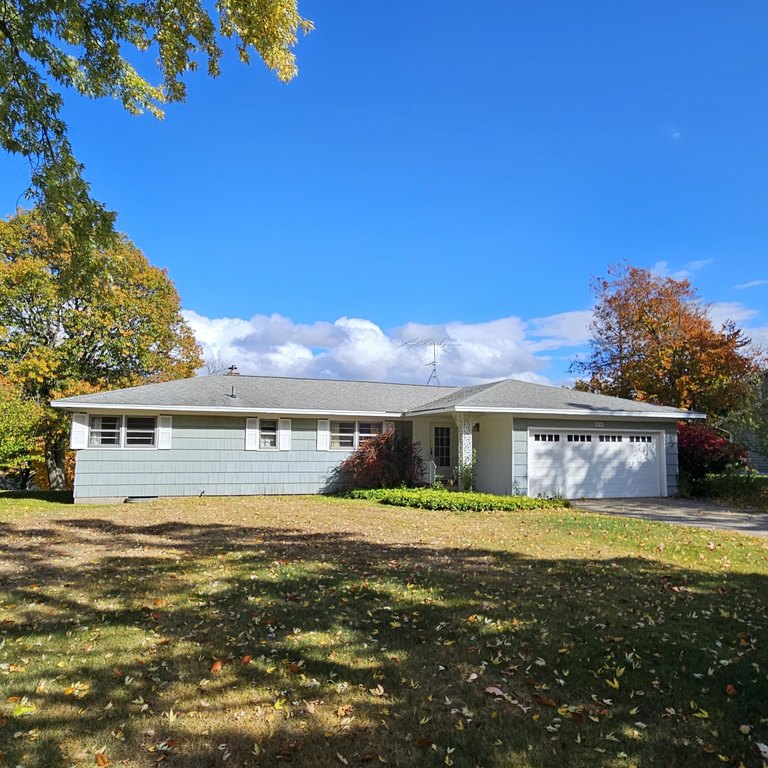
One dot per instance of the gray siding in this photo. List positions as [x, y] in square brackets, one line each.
[520, 445]
[207, 455]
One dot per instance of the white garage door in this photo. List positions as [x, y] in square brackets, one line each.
[594, 465]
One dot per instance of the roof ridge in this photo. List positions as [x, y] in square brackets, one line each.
[317, 378]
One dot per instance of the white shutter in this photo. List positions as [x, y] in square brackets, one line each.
[323, 434]
[251, 434]
[78, 437]
[284, 434]
[164, 426]
[389, 426]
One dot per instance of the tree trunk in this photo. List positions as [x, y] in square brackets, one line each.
[54, 463]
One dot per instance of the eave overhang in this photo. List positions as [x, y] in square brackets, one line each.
[568, 412]
[203, 410]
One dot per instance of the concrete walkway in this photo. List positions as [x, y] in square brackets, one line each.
[699, 514]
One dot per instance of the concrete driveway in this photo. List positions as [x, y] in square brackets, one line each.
[699, 514]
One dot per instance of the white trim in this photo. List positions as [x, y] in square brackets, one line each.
[153, 409]
[572, 412]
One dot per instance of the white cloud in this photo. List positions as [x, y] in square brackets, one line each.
[752, 284]
[722, 311]
[662, 269]
[357, 348]
[566, 329]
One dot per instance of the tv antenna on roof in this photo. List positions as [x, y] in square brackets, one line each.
[436, 344]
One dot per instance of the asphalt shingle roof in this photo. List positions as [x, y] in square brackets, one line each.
[272, 393]
[526, 395]
[269, 393]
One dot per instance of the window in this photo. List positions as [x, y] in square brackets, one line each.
[139, 431]
[268, 433]
[366, 429]
[640, 438]
[342, 434]
[610, 438]
[579, 438]
[105, 431]
[348, 435]
[122, 431]
[546, 438]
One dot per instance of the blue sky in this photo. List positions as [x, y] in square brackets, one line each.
[448, 170]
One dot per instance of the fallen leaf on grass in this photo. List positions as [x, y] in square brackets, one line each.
[78, 690]
[422, 742]
[730, 690]
[544, 701]
[216, 667]
[102, 760]
[492, 690]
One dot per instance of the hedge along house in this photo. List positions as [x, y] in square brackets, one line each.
[246, 435]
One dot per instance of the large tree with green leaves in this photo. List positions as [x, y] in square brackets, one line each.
[653, 339]
[49, 47]
[65, 332]
[20, 427]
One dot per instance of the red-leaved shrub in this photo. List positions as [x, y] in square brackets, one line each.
[382, 461]
[701, 451]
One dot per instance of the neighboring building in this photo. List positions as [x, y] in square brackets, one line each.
[246, 435]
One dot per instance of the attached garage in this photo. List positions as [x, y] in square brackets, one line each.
[578, 463]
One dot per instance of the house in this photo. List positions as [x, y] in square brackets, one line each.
[244, 435]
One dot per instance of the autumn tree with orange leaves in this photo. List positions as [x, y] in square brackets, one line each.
[65, 331]
[653, 340]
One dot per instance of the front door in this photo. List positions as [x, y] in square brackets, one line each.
[442, 450]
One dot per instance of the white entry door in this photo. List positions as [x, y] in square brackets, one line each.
[595, 464]
[442, 449]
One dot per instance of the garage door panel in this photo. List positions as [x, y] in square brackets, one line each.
[597, 465]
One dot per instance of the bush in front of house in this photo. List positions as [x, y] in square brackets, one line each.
[438, 499]
[386, 460]
[702, 451]
[742, 490]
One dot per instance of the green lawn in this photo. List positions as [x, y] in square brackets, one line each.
[327, 632]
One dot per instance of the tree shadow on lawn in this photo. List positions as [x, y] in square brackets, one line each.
[193, 643]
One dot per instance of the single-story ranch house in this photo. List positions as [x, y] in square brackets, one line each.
[243, 435]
